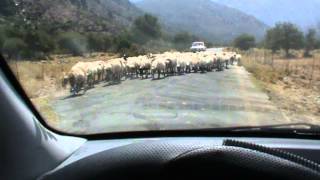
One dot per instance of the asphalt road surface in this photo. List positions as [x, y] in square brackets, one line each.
[209, 100]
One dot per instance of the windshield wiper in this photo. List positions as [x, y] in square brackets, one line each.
[297, 128]
[290, 128]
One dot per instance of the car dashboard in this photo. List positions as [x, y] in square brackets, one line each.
[143, 158]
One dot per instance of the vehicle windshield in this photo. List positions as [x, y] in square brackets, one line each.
[197, 44]
[112, 66]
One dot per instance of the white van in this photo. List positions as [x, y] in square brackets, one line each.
[198, 46]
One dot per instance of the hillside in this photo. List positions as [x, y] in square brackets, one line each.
[303, 13]
[35, 29]
[80, 15]
[120, 11]
[204, 18]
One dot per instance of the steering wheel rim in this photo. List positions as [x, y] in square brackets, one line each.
[250, 163]
[167, 160]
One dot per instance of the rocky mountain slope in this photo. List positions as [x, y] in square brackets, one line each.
[204, 18]
[80, 15]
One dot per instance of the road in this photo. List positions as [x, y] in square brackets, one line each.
[214, 99]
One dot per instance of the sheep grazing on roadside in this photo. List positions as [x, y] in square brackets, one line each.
[187, 58]
[204, 62]
[233, 58]
[181, 64]
[195, 61]
[229, 58]
[171, 63]
[100, 70]
[145, 66]
[132, 67]
[238, 59]
[77, 78]
[220, 64]
[84, 75]
[158, 66]
[213, 62]
[107, 72]
[91, 72]
[117, 67]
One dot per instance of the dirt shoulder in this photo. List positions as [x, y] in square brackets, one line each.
[298, 103]
[290, 86]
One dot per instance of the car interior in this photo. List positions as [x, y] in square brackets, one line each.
[159, 89]
[32, 150]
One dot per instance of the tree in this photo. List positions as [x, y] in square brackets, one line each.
[310, 42]
[292, 37]
[72, 42]
[38, 41]
[244, 42]
[285, 36]
[123, 44]
[13, 47]
[209, 44]
[95, 42]
[183, 40]
[107, 43]
[148, 25]
[7, 7]
[99, 42]
[272, 40]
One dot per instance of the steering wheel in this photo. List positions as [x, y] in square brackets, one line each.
[169, 160]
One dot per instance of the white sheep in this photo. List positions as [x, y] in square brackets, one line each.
[132, 66]
[145, 66]
[181, 63]
[77, 78]
[171, 62]
[100, 68]
[238, 59]
[117, 67]
[158, 66]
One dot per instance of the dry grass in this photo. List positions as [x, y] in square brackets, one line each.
[42, 80]
[43, 106]
[306, 71]
[292, 84]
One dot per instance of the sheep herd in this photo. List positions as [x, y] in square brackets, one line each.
[85, 75]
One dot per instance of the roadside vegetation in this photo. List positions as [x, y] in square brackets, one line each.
[287, 66]
[25, 36]
[292, 84]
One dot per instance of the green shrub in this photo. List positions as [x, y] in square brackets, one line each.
[244, 42]
[183, 40]
[148, 25]
[285, 36]
[107, 43]
[72, 42]
[39, 43]
[122, 42]
[13, 47]
[95, 42]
